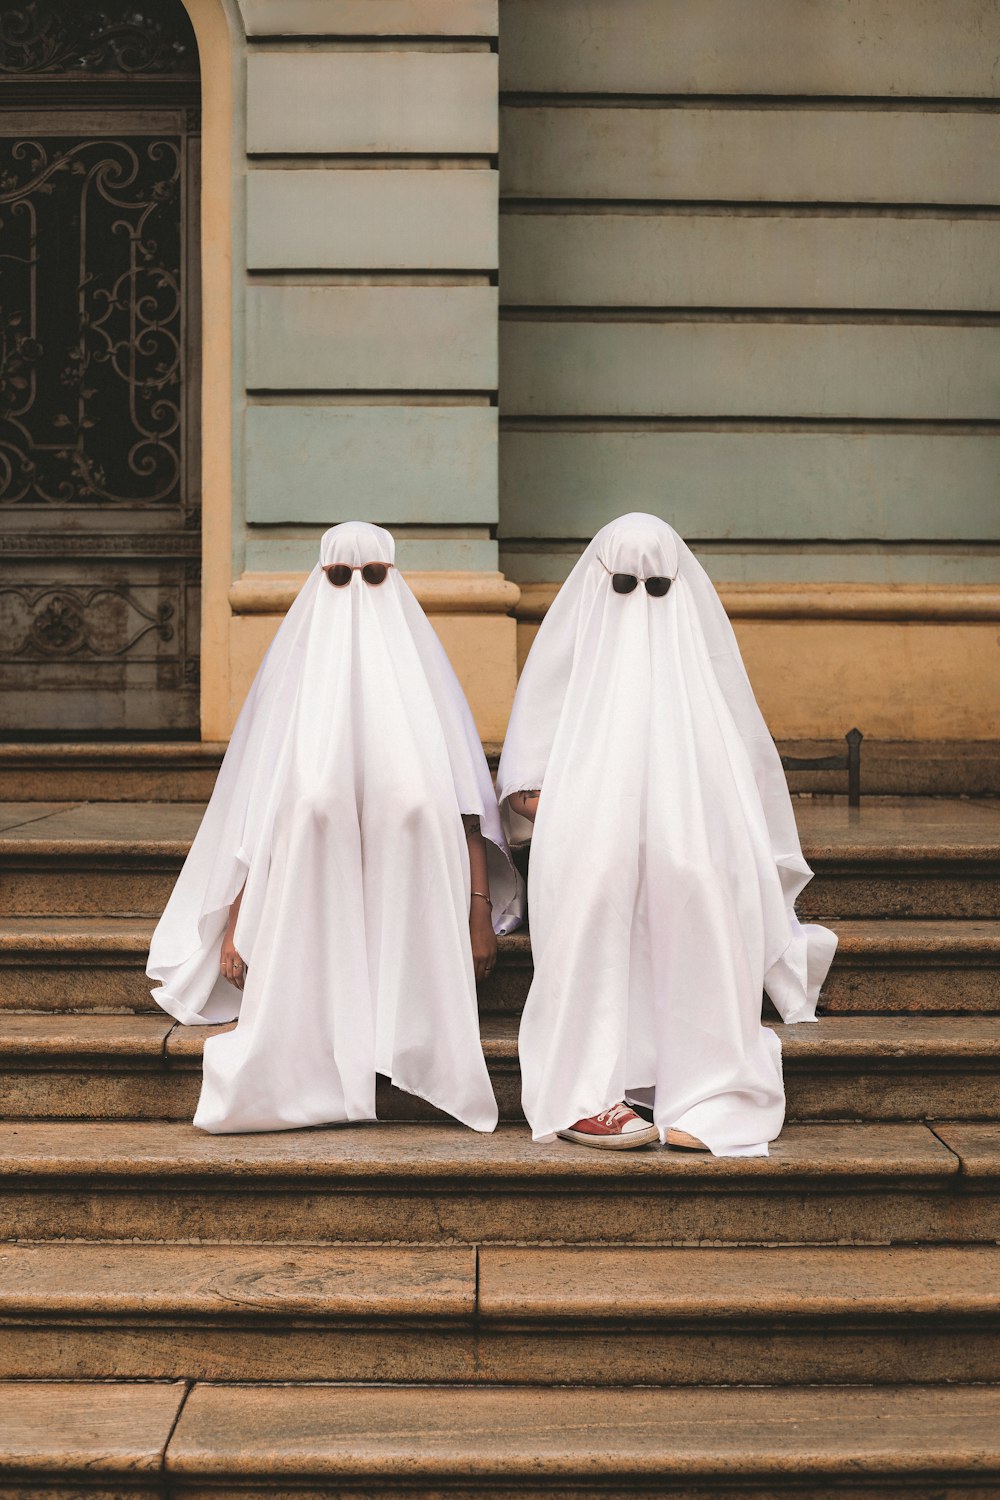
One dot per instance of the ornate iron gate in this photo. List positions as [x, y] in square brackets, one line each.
[99, 467]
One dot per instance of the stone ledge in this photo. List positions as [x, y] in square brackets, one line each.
[832, 601]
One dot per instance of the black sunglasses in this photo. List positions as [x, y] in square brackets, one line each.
[340, 574]
[626, 583]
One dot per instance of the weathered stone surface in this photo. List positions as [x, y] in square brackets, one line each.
[977, 1148]
[44, 1041]
[911, 856]
[423, 464]
[234, 1282]
[18, 815]
[57, 1429]
[883, 967]
[549, 1315]
[181, 772]
[401, 338]
[914, 966]
[749, 154]
[629, 1284]
[537, 1436]
[439, 1183]
[70, 964]
[147, 1067]
[797, 485]
[933, 47]
[762, 260]
[353, 220]
[628, 367]
[377, 101]
[393, 18]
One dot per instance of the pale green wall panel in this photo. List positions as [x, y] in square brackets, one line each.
[370, 17]
[888, 47]
[775, 485]
[776, 155]
[374, 463]
[379, 101]
[408, 220]
[268, 550]
[766, 260]
[371, 337]
[749, 562]
[749, 369]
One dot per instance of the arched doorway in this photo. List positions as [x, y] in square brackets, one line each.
[100, 506]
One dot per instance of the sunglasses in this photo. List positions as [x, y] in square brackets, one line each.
[626, 583]
[340, 574]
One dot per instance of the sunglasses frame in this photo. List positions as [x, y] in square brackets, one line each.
[653, 593]
[357, 568]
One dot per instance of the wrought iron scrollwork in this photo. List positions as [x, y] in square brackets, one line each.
[91, 322]
[111, 36]
[103, 622]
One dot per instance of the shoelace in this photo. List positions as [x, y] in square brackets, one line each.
[616, 1115]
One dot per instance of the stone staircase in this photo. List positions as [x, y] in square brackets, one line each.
[412, 1309]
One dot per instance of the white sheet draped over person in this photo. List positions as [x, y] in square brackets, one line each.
[665, 860]
[338, 813]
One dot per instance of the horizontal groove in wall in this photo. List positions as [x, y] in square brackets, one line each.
[326, 42]
[521, 313]
[857, 546]
[597, 422]
[723, 208]
[370, 398]
[848, 103]
[326, 277]
[360, 161]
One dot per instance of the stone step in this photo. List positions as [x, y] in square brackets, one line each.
[178, 771]
[902, 857]
[118, 1067]
[808, 1443]
[182, 771]
[185, 771]
[77, 964]
[576, 1315]
[436, 1183]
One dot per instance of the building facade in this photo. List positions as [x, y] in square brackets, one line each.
[491, 276]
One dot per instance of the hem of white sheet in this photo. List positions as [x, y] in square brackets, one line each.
[438, 1104]
[186, 1016]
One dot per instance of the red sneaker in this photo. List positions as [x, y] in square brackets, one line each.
[616, 1129]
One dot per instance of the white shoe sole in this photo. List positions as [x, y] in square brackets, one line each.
[628, 1142]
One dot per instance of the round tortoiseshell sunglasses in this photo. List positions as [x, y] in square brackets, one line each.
[340, 574]
[626, 583]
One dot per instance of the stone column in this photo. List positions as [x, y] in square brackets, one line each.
[367, 311]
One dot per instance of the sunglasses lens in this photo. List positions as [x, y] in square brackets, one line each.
[657, 587]
[623, 583]
[374, 572]
[339, 575]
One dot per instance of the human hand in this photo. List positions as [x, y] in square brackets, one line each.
[231, 966]
[484, 940]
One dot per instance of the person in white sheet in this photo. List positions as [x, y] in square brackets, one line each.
[343, 890]
[665, 862]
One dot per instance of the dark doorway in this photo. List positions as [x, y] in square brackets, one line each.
[100, 513]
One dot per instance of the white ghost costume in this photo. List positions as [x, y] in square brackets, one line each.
[339, 808]
[665, 860]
